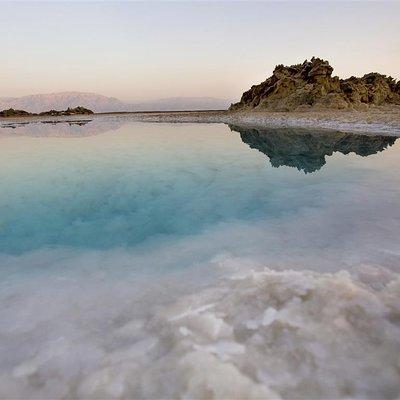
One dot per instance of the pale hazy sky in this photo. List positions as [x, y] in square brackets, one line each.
[138, 51]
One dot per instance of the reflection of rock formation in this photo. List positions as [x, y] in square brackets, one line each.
[305, 149]
[59, 127]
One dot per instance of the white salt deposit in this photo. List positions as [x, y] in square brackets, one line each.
[325, 335]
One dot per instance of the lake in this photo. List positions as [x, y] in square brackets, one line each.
[149, 259]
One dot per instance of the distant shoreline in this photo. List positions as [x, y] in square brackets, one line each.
[162, 112]
[374, 120]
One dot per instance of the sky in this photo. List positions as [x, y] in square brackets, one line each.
[148, 50]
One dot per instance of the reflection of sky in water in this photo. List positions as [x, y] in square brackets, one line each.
[157, 181]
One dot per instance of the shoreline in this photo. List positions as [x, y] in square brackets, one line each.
[377, 120]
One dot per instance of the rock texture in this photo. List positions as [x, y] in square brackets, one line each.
[311, 84]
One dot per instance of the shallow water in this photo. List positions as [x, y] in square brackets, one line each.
[187, 260]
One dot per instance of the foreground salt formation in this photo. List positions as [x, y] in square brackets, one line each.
[259, 335]
[287, 334]
[311, 84]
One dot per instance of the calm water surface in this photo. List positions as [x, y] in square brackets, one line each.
[125, 186]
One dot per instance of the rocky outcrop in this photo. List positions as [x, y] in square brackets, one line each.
[307, 150]
[14, 113]
[68, 111]
[54, 113]
[311, 84]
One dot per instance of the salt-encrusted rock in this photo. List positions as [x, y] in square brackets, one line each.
[311, 84]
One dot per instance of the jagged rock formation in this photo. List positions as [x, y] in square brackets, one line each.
[311, 84]
[54, 113]
[305, 150]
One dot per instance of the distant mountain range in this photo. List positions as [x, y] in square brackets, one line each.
[183, 104]
[98, 103]
[60, 101]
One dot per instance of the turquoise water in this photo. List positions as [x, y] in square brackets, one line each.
[150, 182]
[106, 223]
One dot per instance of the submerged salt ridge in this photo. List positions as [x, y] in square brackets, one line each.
[261, 334]
[158, 261]
[284, 334]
